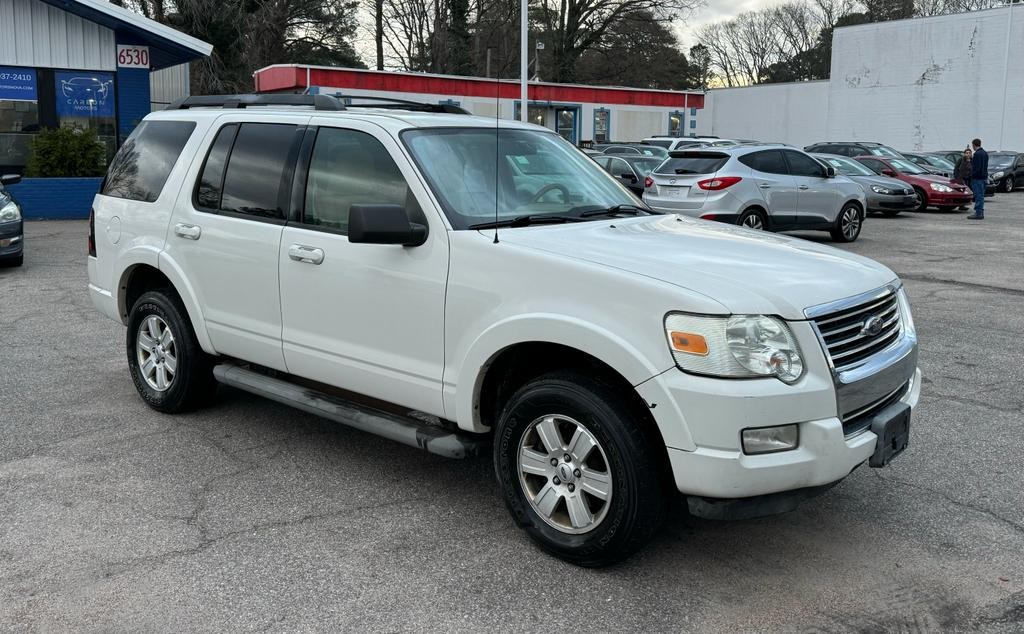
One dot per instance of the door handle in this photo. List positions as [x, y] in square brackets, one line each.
[803, 187]
[764, 186]
[302, 253]
[189, 232]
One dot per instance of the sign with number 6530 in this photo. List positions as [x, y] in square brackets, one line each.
[132, 56]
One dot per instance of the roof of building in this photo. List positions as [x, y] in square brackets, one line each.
[288, 77]
[167, 46]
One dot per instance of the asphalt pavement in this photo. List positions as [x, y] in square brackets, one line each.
[252, 516]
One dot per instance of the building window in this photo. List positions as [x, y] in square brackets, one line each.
[693, 112]
[85, 99]
[19, 114]
[602, 125]
[693, 123]
[675, 123]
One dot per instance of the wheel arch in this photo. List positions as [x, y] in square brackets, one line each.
[142, 277]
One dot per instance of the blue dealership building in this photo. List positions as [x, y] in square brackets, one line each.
[86, 63]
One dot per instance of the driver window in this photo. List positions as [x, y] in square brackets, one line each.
[347, 168]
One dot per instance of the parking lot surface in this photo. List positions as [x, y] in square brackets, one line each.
[252, 516]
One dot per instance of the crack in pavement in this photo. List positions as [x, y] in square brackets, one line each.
[1017, 528]
[971, 285]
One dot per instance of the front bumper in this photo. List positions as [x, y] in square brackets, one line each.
[882, 202]
[702, 419]
[944, 199]
[12, 240]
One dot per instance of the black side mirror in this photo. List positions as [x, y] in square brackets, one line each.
[830, 172]
[10, 179]
[384, 224]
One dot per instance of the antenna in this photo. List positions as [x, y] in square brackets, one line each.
[497, 152]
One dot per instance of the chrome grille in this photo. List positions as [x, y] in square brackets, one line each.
[847, 337]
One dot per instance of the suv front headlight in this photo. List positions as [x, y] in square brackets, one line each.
[740, 346]
[10, 212]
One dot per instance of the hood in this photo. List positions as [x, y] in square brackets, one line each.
[745, 271]
[931, 178]
[881, 181]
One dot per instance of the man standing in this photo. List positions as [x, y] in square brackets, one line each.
[979, 178]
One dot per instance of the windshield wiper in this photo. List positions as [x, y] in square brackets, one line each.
[524, 221]
[616, 210]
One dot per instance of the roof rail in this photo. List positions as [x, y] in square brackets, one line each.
[319, 102]
[397, 104]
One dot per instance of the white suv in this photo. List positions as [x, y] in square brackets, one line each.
[453, 285]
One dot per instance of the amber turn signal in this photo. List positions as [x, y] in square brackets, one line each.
[689, 343]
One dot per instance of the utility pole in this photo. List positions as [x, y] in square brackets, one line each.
[524, 61]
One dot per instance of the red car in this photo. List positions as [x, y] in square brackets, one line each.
[932, 190]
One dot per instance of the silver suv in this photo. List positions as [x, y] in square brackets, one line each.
[760, 186]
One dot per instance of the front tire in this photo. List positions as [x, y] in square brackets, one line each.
[848, 224]
[1008, 184]
[922, 199]
[169, 368]
[578, 469]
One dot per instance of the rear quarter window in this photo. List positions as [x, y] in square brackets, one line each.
[694, 163]
[140, 169]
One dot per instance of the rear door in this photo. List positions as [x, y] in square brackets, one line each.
[816, 194]
[226, 232]
[364, 317]
[778, 188]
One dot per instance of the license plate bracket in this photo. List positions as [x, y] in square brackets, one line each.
[892, 426]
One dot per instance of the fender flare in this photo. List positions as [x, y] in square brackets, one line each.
[592, 339]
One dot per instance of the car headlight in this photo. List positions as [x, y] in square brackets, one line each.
[939, 187]
[878, 189]
[908, 319]
[999, 175]
[10, 212]
[740, 346]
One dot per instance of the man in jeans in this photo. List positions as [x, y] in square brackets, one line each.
[979, 178]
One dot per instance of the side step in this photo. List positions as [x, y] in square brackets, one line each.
[407, 431]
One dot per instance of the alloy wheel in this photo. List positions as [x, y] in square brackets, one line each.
[850, 223]
[753, 221]
[564, 474]
[156, 353]
[1009, 184]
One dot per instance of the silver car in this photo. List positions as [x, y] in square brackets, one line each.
[887, 196]
[760, 186]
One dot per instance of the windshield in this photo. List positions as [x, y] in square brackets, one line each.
[847, 167]
[907, 167]
[526, 172]
[881, 150]
[940, 162]
[1000, 160]
[646, 165]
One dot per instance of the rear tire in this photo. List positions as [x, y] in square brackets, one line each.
[607, 500]
[848, 224]
[169, 368]
[753, 219]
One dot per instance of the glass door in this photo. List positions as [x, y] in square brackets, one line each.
[565, 123]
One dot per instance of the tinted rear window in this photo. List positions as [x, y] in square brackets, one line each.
[142, 165]
[694, 163]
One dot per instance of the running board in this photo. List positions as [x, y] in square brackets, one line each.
[407, 431]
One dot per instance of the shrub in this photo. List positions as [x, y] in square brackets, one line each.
[66, 152]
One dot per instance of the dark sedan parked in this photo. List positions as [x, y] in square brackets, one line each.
[953, 156]
[629, 169]
[853, 149]
[11, 226]
[1006, 170]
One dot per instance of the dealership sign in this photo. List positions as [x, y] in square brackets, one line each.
[85, 94]
[18, 84]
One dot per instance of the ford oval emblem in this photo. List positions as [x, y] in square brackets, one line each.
[672, 182]
[872, 326]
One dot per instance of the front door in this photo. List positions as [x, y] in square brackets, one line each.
[565, 123]
[817, 203]
[364, 317]
[225, 234]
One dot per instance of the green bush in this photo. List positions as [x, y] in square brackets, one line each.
[66, 152]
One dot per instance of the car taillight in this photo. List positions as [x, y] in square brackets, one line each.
[92, 233]
[716, 184]
[648, 182]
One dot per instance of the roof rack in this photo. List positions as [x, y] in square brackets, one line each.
[319, 102]
[397, 104]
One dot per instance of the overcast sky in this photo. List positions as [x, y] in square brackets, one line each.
[714, 11]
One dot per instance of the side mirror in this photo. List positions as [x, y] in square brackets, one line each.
[10, 179]
[888, 172]
[384, 224]
[830, 172]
